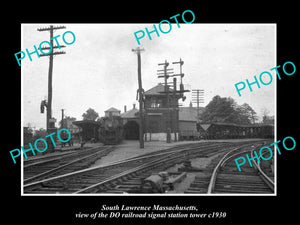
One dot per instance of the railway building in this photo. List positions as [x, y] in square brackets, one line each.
[181, 120]
[131, 123]
[89, 129]
[231, 130]
[161, 115]
[188, 118]
[112, 112]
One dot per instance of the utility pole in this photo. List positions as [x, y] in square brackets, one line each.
[198, 97]
[175, 108]
[49, 103]
[62, 118]
[50, 122]
[140, 96]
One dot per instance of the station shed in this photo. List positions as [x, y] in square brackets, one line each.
[188, 118]
[89, 129]
[231, 130]
[131, 123]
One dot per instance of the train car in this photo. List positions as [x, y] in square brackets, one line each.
[111, 130]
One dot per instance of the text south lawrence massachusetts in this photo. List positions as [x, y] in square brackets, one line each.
[147, 208]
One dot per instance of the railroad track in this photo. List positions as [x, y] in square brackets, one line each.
[46, 167]
[124, 175]
[251, 180]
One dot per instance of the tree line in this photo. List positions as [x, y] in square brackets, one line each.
[226, 110]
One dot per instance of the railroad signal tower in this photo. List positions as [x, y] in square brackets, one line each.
[172, 103]
[166, 73]
[181, 89]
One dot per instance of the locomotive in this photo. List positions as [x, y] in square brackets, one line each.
[111, 130]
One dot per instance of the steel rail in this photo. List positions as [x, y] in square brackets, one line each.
[226, 158]
[262, 174]
[130, 171]
[116, 163]
[48, 159]
[137, 170]
[33, 161]
[51, 171]
[214, 174]
[221, 163]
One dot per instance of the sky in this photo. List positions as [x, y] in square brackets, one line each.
[99, 70]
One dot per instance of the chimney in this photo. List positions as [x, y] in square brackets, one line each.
[125, 108]
[133, 105]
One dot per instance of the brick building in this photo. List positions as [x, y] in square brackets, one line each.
[160, 114]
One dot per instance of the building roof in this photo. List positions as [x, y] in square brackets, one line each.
[133, 113]
[157, 90]
[112, 109]
[86, 123]
[205, 126]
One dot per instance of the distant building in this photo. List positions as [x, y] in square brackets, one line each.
[231, 130]
[131, 123]
[74, 129]
[89, 129]
[188, 121]
[112, 112]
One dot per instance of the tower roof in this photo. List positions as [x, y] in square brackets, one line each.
[112, 109]
[157, 90]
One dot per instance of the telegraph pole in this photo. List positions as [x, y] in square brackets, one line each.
[175, 108]
[62, 118]
[50, 122]
[49, 103]
[198, 97]
[141, 96]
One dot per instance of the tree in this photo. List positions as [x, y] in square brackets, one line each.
[266, 119]
[219, 110]
[90, 114]
[249, 113]
[67, 118]
[226, 110]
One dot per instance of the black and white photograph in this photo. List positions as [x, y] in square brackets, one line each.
[183, 113]
[145, 113]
